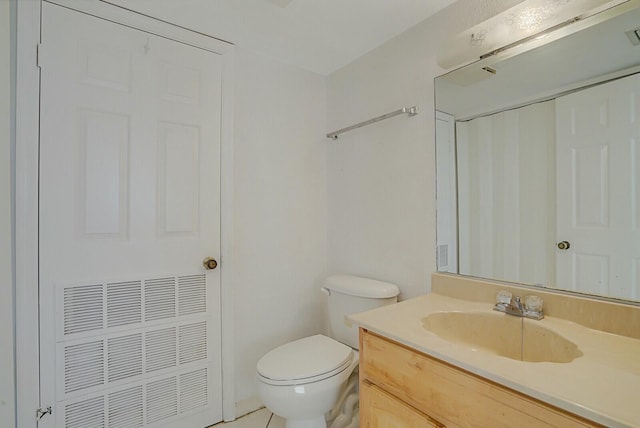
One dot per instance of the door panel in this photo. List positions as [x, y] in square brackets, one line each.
[598, 181]
[129, 208]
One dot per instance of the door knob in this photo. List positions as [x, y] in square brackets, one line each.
[564, 245]
[210, 263]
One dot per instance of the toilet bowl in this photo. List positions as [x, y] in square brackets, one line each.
[302, 380]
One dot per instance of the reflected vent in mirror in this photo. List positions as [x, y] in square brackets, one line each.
[443, 256]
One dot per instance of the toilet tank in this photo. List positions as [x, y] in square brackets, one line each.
[349, 295]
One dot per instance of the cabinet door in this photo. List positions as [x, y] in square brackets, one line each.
[381, 410]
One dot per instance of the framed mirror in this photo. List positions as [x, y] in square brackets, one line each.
[538, 160]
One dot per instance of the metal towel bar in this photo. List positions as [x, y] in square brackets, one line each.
[411, 111]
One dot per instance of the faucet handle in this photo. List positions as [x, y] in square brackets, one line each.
[503, 297]
[533, 303]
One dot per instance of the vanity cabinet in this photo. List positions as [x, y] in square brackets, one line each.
[380, 409]
[401, 387]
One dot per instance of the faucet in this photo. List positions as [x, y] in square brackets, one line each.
[513, 306]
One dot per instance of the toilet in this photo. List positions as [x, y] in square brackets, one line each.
[302, 380]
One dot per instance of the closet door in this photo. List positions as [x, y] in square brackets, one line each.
[129, 208]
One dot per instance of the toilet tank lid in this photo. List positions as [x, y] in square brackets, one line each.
[361, 287]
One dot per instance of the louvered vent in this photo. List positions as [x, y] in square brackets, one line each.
[83, 308]
[193, 342]
[160, 349]
[193, 390]
[136, 357]
[85, 414]
[162, 399]
[83, 366]
[125, 408]
[192, 294]
[160, 298]
[125, 357]
[443, 256]
[124, 303]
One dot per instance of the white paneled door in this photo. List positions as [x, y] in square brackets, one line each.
[598, 174]
[129, 208]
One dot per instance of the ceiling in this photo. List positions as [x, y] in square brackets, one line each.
[317, 35]
[601, 47]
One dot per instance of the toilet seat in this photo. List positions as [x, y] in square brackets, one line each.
[306, 360]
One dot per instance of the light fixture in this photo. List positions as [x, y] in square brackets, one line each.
[527, 20]
[634, 36]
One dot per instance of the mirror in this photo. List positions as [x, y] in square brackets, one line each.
[538, 160]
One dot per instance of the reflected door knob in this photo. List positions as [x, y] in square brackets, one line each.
[563, 245]
[210, 263]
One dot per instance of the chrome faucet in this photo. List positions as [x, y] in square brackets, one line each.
[513, 306]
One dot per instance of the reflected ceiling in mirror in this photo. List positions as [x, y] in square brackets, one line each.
[538, 160]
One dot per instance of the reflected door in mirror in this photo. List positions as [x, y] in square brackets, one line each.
[598, 152]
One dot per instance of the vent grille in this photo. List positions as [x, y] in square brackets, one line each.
[160, 298]
[83, 366]
[125, 357]
[162, 399]
[125, 408]
[443, 256]
[193, 390]
[124, 303]
[160, 349]
[85, 414]
[137, 348]
[193, 342]
[83, 308]
[192, 294]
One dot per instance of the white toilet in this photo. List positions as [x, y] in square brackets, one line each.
[302, 380]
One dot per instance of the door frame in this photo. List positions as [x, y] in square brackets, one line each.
[26, 208]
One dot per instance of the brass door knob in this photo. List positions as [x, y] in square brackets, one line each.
[210, 263]
[564, 245]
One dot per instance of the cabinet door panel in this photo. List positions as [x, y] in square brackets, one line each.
[381, 410]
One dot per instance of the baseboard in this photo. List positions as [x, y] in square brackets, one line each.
[247, 406]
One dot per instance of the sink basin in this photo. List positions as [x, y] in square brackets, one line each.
[503, 335]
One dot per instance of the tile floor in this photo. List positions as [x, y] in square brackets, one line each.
[262, 418]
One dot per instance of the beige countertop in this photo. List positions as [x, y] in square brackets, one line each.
[602, 385]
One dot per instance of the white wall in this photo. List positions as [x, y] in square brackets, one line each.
[381, 179]
[6, 269]
[280, 209]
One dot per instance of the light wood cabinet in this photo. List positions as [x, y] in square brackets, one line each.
[401, 387]
[385, 410]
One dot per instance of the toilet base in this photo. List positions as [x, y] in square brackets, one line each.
[306, 423]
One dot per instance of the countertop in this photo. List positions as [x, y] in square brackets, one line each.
[602, 385]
